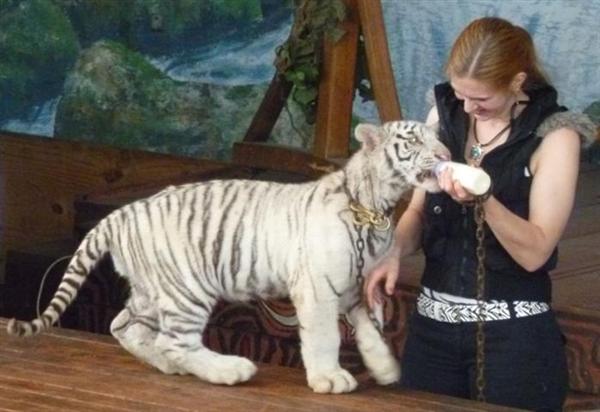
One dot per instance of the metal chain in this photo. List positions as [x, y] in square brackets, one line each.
[480, 334]
[360, 279]
[362, 216]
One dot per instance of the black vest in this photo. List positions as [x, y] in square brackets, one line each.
[449, 231]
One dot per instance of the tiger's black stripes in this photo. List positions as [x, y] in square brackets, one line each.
[140, 250]
[399, 157]
[331, 286]
[221, 233]
[74, 284]
[191, 218]
[236, 255]
[187, 247]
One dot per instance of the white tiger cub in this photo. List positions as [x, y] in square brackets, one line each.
[186, 247]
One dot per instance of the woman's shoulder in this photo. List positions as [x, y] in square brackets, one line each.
[567, 122]
[563, 134]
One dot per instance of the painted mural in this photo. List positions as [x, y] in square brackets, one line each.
[186, 76]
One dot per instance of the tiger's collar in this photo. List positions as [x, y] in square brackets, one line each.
[363, 216]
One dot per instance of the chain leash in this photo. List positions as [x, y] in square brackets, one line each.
[363, 216]
[480, 279]
[360, 279]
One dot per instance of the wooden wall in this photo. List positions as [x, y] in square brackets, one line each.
[41, 177]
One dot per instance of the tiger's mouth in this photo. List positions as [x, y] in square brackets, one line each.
[427, 179]
[425, 175]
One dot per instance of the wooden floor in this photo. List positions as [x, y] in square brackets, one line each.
[65, 370]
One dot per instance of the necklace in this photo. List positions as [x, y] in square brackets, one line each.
[476, 152]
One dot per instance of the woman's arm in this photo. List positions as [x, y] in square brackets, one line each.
[555, 166]
[407, 240]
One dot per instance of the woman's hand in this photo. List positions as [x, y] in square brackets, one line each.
[385, 272]
[407, 239]
[453, 187]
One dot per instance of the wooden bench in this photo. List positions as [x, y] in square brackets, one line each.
[77, 371]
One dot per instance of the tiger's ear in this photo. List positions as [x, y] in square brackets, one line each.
[369, 135]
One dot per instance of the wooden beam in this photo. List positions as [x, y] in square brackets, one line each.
[280, 158]
[336, 90]
[40, 178]
[378, 59]
[269, 110]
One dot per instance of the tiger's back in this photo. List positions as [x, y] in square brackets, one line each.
[239, 239]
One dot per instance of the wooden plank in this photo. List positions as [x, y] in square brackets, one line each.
[588, 189]
[285, 159]
[71, 370]
[336, 90]
[578, 253]
[577, 287]
[9, 403]
[41, 177]
[582, 331]
[378, 60]
[582, 402]
[269, 110]
[584, 220]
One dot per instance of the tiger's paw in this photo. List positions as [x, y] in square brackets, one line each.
[231, 370]
[388, 374]
[336, 381]
[168, 368]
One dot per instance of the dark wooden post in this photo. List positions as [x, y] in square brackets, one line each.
[336, 90]
[378, 60]
[336, 94]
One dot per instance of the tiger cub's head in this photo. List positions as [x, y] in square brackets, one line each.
[407, 149]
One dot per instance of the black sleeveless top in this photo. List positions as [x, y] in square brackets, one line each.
[449, 231]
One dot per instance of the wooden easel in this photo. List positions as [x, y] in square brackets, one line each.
[336, 93]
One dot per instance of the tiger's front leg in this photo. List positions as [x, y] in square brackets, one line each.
[320, 344]
[376, 354]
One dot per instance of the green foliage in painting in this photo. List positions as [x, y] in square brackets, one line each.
[36, 36]
[115, 96]
[150, 24]
[299, 59]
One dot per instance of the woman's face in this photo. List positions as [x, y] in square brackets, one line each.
[482, 101]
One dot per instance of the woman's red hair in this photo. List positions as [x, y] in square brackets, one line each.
[493, 50]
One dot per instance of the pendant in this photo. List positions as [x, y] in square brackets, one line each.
[476, 152]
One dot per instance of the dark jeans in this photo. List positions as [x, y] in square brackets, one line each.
[525, 362]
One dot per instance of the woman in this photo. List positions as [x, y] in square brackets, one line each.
[498, 112]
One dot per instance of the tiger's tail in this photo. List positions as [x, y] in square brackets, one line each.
[88, 254]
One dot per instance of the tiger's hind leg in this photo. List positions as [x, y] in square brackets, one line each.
[180, 340]
[137, 334]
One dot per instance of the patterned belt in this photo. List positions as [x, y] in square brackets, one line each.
[444, 307]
